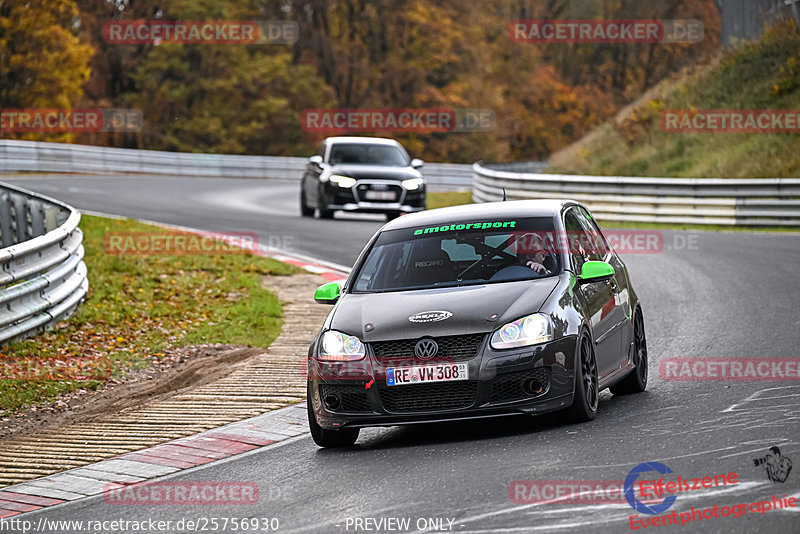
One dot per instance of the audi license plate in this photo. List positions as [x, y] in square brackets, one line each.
[444, 372]
[380, 195]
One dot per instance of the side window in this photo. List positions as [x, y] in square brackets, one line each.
[598, 246]
[577, 240]
[320, 151]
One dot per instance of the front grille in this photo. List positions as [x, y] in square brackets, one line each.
[451, 348]
[508, 387]
[353, 397]
[364, 188]
[427, 397]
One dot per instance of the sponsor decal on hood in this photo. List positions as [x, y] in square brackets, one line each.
[430, 316]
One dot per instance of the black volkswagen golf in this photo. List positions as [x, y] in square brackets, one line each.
[476, 311]
[362, 174]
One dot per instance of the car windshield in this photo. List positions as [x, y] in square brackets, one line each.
[462, 253]
[367, 154]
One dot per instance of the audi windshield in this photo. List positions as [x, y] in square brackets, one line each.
[368, 154]
[463, 253]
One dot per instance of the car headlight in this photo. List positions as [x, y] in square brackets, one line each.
[413, 183]
[529, 330]
[340, 347]
[342, 181]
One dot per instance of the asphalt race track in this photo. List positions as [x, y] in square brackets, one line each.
[268, 207]
[710, 294]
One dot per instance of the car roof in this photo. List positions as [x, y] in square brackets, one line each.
[362, 140]
[479, 212]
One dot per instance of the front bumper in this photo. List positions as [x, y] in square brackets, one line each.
[354, 199]
[496, 387]
[375, 207]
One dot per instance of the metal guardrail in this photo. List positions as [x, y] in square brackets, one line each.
[43, 276]
[723, 201]
[747, 19]
[745, 202]
[67, 158]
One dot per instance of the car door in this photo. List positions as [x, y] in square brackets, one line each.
[597, 297]
[310, 182]
[622, 308]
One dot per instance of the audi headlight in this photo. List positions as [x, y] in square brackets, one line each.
[530, 330]
[342, 181]
[340, 347]
[413, 184]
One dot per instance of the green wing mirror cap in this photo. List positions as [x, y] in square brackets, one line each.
[596, 271]
[328, 293]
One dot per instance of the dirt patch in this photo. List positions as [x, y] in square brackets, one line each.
[179, 370]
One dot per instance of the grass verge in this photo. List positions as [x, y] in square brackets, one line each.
[449, 198]
[763, 75]
[138, 306]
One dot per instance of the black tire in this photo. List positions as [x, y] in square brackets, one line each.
[305, 211]
[322, 208]
[636, 381]
[392, 215]
[586, 398]
[329, 438]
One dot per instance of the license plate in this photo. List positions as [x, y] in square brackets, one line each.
[380, 195]
[445, 372]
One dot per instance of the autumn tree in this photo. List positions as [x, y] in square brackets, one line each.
[623, 70]
[248, 99]
[390, 53]
[226, 98]
[43, 61]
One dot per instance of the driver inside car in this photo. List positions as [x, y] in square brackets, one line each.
[532, 251]
[535, 261]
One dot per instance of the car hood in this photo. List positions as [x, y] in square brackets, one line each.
[471, 308]
[380, 172]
